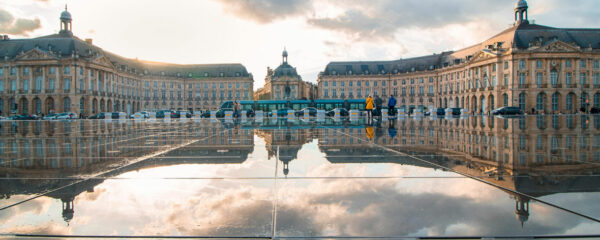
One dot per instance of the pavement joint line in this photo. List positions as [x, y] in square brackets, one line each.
[71, 184]
[486, 182]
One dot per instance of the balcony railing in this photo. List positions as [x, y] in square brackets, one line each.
[523, 85]
[21, 91]
[596, 85]
[558, 85]
[49, 90]
[67, 90]
[490, 88]
[35, 91]
[572, 85]
[586, 86]
[542, 85]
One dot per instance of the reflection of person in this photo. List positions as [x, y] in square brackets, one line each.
[369, 108]
[392, 129]
[378, 103]
[236, 108]
[392, 105]
[369, 130]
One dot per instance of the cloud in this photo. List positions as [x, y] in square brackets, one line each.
[20, 26]
[381, 19]
[265, 11]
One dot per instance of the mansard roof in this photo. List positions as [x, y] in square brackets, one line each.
[65, 45]
[521, 36]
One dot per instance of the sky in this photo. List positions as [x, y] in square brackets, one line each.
[255, 32]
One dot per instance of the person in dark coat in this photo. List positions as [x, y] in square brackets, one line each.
[378, 104]
[392, 106]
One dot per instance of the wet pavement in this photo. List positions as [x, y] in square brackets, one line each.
[301, 178]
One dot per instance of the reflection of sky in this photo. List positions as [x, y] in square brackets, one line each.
[379, 197]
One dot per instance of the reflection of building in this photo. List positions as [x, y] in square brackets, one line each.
[537, 156]
[527, 65]
[285, 83]
[62, 73]
[285, 139]
[57, 158]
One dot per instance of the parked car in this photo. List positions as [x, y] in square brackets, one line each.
[162, 113]
[25, 117]
[343, 112]
[67, 115]
[117, 115]
[97, 116]
[143, 114]
[312, 112]
[50, 116]
[455, 111]
[440, 111]
[180, 114]
[221, 112]
[595, 110]
[507, 111]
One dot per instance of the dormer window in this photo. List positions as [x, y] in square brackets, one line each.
[145, 72]
[395, 71]
[412, 69]
[205, 74]
[162, 73]
[222, 74]
[334, 72]
[237, 74]
[350, 72]
[367, 72]
[178, 74]
[189, 74]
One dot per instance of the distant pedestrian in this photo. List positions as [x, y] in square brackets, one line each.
[369, 108]
[378, 104]
[392, 106]
[236, 108]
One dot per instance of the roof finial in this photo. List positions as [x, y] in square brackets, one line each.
[65, 7]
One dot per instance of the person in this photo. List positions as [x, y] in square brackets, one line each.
[378, 103]
[236, 108]
[392, 106]
[369, 108]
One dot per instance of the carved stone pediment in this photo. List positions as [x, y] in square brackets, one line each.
[103, 61]
[558, 46]
[36, 54]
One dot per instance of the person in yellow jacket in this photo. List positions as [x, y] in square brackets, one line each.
[369, 108]
[370, 134]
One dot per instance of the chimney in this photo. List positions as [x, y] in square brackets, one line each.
[88, 40]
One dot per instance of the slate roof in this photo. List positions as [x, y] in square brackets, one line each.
[521, 36]
[64, 45]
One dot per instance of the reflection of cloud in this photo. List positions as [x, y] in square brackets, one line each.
[36, 206]
[20, 26]
[45, 228]
[264, 11]
[92, 196]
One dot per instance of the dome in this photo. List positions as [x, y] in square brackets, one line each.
[65, 15]
[521, 4]
[285, 70]
[285, 54]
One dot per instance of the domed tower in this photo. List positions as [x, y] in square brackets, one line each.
[522, 209]
[65, 22]
[521, 15]
[67, 208]
[284, 55]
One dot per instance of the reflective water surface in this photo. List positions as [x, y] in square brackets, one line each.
[476, 176]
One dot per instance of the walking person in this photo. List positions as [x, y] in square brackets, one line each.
[236, 108]
[392, 106]
[369, 108]
[378, 104]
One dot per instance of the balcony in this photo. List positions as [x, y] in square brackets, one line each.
[95, 93]
[35, 91]
[543, 85]
[473, 89]
[572, 85]
[430, 94]
[557, 85]
[21, 91]
[67, 90]
[481, 89]
[49, 90]
[82, 91]
[596, 85]
[586, 86]
[10, 91]
[490, 88]
[502, 87]
[523, 85]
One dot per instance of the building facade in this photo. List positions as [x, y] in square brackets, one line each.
[538, 68]
[284, 83]
[62, 73]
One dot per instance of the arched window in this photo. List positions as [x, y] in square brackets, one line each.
[522, 101]
[540, 102]
[584, 98]
[81, 106]
[596, 100]
[38, 105]
[570, 99]
[555, 102]
[505, 97]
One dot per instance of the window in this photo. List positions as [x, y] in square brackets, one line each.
[538, 64]
[67, 84]
[1, 71]
[334, 83]
[570, 99]
[506, 65]
[539, 79]
[596, 64]
[522, 80]
[568, 63]
[569, 79]
[51, 84]
[13, 85]
[555, 102]
[554, 78]
[326, 84]
[583, 78]
[597, 100]
[350, 83]
[596, 79]
[582, 64]
[25, 85]
[540, 102]
[522, 64]
[67, 70]
[522, 101]
[505, 79]
[505, 96]
[1, 89]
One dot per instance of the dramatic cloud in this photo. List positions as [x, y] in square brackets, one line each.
[265, 11]
[20, 26]
[382, 18]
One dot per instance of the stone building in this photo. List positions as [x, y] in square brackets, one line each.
[535, 67]
[60, 73]
[284, 83]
